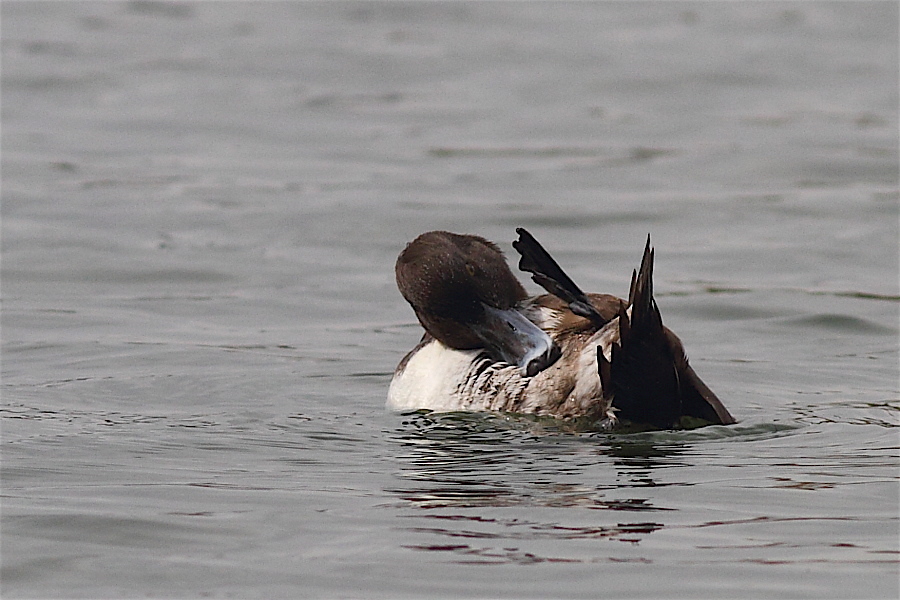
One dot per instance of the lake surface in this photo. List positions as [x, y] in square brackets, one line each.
[201, 208]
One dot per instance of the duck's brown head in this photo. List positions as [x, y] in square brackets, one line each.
[466, 297]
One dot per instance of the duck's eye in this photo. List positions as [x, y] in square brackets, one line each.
[470, 269]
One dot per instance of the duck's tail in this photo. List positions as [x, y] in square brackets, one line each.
[648, 378]
[640, 377]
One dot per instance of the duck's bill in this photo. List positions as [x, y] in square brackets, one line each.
[509, 336]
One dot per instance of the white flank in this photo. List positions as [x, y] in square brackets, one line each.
[431, 378]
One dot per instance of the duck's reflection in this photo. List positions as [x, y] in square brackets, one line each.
[493, 477]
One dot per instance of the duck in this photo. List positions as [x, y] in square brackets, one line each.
[566, 354]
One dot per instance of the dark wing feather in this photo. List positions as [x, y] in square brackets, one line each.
[547, 273]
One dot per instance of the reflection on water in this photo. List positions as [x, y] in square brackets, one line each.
[462, 480]
[521, 450]
[516, 530]
[463, 471]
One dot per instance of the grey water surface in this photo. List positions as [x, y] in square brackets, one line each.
[201, 207]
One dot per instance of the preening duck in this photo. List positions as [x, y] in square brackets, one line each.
[488, 346]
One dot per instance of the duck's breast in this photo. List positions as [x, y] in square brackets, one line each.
[439, 378]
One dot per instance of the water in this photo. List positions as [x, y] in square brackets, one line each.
[202, 204]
